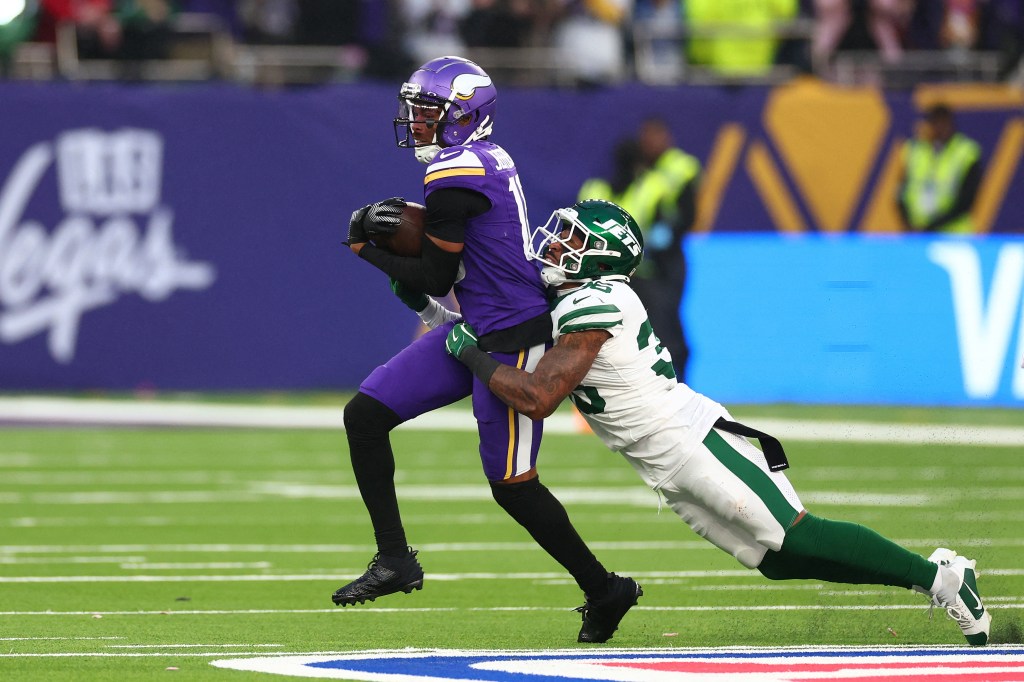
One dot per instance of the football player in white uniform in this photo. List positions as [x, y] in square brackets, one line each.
[609, 362]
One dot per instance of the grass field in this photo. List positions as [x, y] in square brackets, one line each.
[130, 551]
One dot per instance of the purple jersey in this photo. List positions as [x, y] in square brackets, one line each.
[501, 288]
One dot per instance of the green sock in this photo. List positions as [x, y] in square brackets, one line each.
[842, 552]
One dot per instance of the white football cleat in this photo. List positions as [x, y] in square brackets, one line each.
[959, 595]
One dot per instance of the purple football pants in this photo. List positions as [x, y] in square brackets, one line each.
[423, 377]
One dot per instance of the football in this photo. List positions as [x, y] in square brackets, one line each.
[407, 239]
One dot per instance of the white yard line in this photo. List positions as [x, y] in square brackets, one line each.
[439, 577]
[195, 566]
[634, 496]
[429, 547]
[330, 549]
[639, 518]
[923, 606]
[191, 646]
[20, 560]
[165, 654]
[35, 410]
[51, 639]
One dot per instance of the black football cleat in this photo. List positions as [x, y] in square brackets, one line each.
[384, 575]
[601, 616]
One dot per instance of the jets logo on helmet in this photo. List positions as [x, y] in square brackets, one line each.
[624, 236]
[596, 240]
[453, 97]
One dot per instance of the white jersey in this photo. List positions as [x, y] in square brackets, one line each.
[631, 392]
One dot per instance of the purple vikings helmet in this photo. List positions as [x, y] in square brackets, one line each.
[454, 94]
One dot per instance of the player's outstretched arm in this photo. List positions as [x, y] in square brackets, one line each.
[539, 393]
[562, 368]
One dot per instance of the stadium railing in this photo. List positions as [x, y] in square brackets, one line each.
[660, 51]
[201, 49]
[856, 67]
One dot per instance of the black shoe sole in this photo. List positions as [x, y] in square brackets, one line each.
[352, 601]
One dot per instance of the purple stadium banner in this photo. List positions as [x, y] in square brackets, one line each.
[189, 238]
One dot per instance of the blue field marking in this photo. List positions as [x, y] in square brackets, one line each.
[632, 665]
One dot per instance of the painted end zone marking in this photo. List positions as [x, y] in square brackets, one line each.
[731, 664]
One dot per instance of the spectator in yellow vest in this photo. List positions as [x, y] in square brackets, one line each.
[656, 182]
[735, 37]
[941, 175]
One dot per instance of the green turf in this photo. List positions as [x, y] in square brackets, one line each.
[272, 522]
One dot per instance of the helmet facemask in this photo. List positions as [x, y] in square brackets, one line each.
[453, 97]
[414, 108]
[562, 229]
[608, 249]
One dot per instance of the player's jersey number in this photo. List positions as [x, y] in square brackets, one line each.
[591, 401]
[643, 339]
[516, 189]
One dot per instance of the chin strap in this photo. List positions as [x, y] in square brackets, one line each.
[552, 277]
[427, 152]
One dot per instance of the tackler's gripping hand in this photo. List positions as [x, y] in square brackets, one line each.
[459, 339]
[416, 300]
[380, 218]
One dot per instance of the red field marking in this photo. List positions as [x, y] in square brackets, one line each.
[728, 667]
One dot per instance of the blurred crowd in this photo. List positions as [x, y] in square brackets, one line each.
[597, 41]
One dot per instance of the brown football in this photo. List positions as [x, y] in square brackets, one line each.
[407, 240]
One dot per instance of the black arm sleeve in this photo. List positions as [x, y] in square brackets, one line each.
[448, 210]
[434, 272]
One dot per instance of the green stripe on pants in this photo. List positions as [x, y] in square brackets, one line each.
[754, 478]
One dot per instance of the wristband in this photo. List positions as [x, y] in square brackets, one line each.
[481, 364]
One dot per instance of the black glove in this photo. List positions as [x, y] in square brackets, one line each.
[380, 218]
[356, 233]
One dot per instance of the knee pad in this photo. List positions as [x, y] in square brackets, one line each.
[369, 417]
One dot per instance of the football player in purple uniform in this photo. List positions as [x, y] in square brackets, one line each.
[475, 240]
